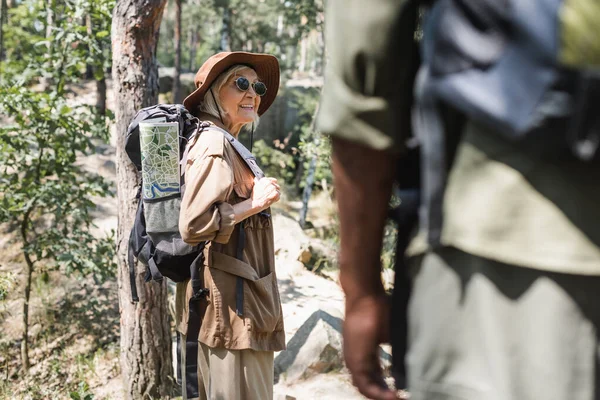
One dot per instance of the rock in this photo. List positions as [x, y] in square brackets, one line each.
[109, 168]
[305, 255]
[315, 348]
[296, 268]
[294, 239]
[165, 80]
[387, 276]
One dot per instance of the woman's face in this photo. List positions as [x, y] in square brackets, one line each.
[240, 107]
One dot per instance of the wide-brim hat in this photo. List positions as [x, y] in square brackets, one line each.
[265, 65]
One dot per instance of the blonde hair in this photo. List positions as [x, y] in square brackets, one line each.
[212, 105]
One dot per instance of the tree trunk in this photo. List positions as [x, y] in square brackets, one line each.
[226, 29]
[194, 40]
[89, 68]
[50, 7]
[303, 53]
[310, 180]
[3, 19]
[101, 94]
[312, 168]
[25, 337]
[177, 39]
[145, 335]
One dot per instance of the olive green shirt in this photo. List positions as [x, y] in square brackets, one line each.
[500, 202]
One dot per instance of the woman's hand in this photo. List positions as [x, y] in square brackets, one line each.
[266, 191]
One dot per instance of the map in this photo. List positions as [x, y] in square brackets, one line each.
[159, 145]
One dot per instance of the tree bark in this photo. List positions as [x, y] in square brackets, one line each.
[50, 7]
[101, 94]
[312, 168]
[303, 53]
[226, 29]
[177, 39]
[194, 40]
[29, 274]
[25, 338]
[89, 68]
[310, 180]
[145, 335]
[3, 19]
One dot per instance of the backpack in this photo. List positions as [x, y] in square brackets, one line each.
[155, 239]
[156, 143]
[519, 67]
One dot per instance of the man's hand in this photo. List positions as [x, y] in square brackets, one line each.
[367, 326]
[363, 180]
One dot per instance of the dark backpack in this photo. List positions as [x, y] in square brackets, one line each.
[155, 239]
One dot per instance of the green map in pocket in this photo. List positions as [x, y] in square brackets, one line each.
[159, 145]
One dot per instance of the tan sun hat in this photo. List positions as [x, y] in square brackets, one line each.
[265, 65]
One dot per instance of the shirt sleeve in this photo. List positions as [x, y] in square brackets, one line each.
[205, 213]
[362, 95]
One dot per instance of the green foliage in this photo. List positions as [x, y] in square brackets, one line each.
[271, 26]
[82, 393]
[34, 49]
[43, 189]
[98, 41]
[275, 162]
[44, 192]
[25, 29]
[7, 281]
[197, 16]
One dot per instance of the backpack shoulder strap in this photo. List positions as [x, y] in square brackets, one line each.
[246, 155]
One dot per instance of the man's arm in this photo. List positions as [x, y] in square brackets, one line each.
[363, 180]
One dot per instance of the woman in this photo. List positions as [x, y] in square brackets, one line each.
[225, 205]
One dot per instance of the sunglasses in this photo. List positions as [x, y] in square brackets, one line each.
[244, 84]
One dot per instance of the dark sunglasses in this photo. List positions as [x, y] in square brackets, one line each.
[244, 84]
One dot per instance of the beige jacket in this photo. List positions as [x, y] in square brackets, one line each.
[216, 177]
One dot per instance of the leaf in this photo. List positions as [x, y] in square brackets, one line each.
[64, 110]
[102, 34]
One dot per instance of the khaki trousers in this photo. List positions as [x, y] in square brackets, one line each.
[484, 330]
[231, 374]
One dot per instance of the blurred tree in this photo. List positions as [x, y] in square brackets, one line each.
[177, 43]
[145, 332]
[225, 24]
[98, 17]
[3, 18]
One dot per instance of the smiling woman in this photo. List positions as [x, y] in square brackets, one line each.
[227, 209]
[233, 99]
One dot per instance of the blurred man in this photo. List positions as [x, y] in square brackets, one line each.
[505, 297]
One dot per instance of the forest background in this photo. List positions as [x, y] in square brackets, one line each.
[58, 268]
